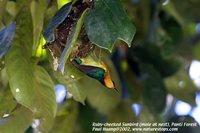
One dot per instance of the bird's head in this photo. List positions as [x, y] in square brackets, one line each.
[110, 84]
[107, 81]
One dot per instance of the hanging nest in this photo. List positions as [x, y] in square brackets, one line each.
[63, 31]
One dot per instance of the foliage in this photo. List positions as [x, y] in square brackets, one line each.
[146, 66]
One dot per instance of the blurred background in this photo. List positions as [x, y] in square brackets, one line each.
[158, 76]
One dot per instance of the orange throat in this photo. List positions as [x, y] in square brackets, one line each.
[108, 81]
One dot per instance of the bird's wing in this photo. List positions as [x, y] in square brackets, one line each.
[92, 71]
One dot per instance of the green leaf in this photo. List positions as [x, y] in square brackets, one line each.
[72, 81]
[181, 86]
[17, 61]
[3, 79]
[108, 22]
[62, 2]
[38, 9]
[77, 90]
[71, 42]
[36, 91]
[2, 10]
[2, 63]
[30, 85]
[45, 106]
[153, 89]
[65, 122]
[22, 4]
[21, 79]
[19, 121]
[7, 102]
[57, 19]
[11, 8]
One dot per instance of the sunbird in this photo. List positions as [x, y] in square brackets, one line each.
[95, 70]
